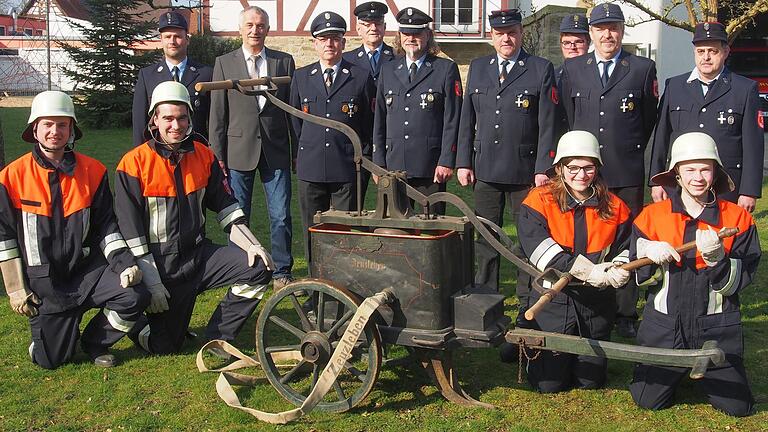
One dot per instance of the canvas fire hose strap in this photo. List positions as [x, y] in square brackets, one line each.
[564, 280]
[335, 365]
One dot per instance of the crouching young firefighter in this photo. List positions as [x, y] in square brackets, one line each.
[574, 224]
[56, 228]
[698, 298]
[162, 191]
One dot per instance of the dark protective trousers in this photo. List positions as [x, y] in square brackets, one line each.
[626, 297]
[54, 336]
[490, 200]
[218, 266]
[727, 388]
[428, 187]
[586, 312]
[314, 197]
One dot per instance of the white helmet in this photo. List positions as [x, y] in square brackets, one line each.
[169, 91]
[51, 103]
[694, 146]
[577, 144]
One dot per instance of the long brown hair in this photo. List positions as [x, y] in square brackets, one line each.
[432, 47]
[559, 191]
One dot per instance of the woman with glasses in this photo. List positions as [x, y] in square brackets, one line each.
[574, 224]
[698, 297]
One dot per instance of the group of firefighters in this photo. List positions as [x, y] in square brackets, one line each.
[564, 148]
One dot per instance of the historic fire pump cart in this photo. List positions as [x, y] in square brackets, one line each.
[419, 267]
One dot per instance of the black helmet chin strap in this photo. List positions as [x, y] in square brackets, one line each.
[70, 147]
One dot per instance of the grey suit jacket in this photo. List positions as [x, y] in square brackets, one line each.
[239, 133]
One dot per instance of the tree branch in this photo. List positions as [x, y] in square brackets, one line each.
[659, 17]
[738, 23]
[691, 13]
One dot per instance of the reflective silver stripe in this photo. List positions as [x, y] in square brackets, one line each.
[603, 254]
[138, 246]
[9, 249]
[157, 220]
[144, 338]
[200, 196]
[734, 278]
[622, 257]
[544, 252]
[249, 291]
[9, 254]
[86, 213]
[112, 243]
[226, 216]
[660, 299]
[29, 221]
[118, 323]
[715, 304]
[31, 350]
[8, 244]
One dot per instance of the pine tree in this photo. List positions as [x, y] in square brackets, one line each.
[106, 67]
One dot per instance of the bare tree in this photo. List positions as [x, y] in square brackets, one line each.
[741, 13]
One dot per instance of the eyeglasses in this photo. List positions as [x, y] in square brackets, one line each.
[567, 44]
[574, 169]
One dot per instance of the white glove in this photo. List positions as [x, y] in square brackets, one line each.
[151, 278]
[22, 303]
[589, 272]
[130, 276]
[255, 251]
[616, 276]
[710, 246]
[657, 251]
[21, 298]
[160, 296]
[245, 240]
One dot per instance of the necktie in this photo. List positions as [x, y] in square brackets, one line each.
[604, 77]
[253, 72]
[328, 78]
[705, 86]
[374, 59]
[503, 74]
[412, 72]
[175, 72]
[253, 66]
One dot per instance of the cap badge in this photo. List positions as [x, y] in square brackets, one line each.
[327, 15]
[410, 11]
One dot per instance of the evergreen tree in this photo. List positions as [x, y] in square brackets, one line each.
[106, 66]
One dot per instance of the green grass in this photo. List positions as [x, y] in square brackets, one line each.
[167, 393]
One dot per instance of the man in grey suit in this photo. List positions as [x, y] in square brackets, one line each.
[249, 133]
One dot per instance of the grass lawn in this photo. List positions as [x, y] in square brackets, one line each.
[167, 393]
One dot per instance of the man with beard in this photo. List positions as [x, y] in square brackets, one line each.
[175, 66]
[418, 104]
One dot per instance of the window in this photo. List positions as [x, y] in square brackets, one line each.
[457, 16]
[2, 30]
[29, 31]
